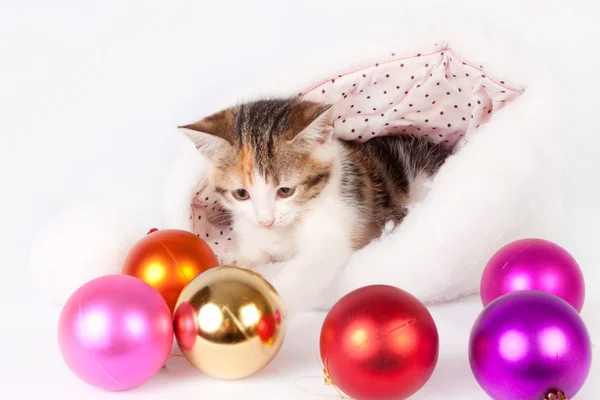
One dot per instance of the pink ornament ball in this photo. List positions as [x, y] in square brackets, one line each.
[115, 332]
[533, 264]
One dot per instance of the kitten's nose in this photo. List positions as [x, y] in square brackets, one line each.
[266, 222]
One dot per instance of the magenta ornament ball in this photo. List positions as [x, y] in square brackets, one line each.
[115, 332]
[527, 344]
[533, 264]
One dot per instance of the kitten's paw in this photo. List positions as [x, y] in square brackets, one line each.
[239, 261]
[268, 271]
[229, 259]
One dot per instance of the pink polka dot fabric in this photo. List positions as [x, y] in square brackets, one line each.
[432, 94]
[211, 222]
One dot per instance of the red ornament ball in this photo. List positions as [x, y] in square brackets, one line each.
[379, 342]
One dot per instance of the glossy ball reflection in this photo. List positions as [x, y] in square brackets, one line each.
[115, 332]
[379, 342]
[229, 322]
[529, 343]
[168, 260]
[533, 264]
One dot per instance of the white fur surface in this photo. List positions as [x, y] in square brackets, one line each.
[79, 245]
[501, 186]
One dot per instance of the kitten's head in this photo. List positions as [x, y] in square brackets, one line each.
[269, 158]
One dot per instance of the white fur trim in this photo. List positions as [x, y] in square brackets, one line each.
[79, 245]
[186, 178]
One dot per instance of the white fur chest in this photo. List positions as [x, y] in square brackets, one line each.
[278, 244]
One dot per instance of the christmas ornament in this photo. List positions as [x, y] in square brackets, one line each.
[115, 332]
[379, 342]
[168, 260]
[533, 264]
[229, 322]
[528, 345]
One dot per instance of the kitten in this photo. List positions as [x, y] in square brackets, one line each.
[301, 200]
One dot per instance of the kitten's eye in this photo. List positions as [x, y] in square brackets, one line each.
[241, 194]
[284, 192]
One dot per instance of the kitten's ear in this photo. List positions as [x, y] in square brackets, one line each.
[213, 135]
[312, 122]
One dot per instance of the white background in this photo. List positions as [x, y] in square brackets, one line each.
[91, 93]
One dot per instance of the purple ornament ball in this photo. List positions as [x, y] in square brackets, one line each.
[533, 264]
[115, 332]
[528, 344]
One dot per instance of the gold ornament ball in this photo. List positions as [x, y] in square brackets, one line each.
[229, 322]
